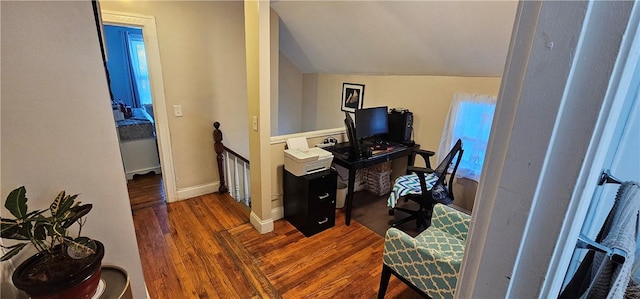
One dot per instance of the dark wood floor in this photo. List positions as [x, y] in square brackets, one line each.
[205, 248]
[145, 191]
[372, 211]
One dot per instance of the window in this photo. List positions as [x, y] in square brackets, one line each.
[138, 60]
[470, 118]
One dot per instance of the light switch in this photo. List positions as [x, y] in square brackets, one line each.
[177, 110]
[255, 123]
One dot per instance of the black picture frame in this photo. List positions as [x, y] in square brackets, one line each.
[352, 96]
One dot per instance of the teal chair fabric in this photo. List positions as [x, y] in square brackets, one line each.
[430, 262]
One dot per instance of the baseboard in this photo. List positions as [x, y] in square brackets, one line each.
[193, 191]
[263, 226]
[277, 213]
[156, 169]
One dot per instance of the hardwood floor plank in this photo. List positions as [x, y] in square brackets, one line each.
[245, 263]
[182, 274]
[196, 246]
[149, 240]
[202, 279]
[227, 211]
[145, 191]
[233, 278]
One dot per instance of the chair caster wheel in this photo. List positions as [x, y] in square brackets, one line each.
[392, 212]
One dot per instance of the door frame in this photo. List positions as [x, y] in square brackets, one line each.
[609, 130]
[150, 35]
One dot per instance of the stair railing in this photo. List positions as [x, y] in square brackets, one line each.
[236, 167]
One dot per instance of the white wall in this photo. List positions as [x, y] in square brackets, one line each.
[274, 67]
[57, 126]
[290, 99]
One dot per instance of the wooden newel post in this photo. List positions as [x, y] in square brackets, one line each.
[219, 148]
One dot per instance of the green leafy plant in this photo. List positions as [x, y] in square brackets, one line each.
[46, 232]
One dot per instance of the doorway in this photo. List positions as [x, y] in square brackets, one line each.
[148, 26]
[132, 105]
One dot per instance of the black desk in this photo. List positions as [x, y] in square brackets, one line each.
[340, 157]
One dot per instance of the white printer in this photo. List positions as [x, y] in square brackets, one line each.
[300, 160]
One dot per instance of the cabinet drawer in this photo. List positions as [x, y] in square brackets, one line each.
[322, 190]
[323, 184]
[318, 223]
[320, 200]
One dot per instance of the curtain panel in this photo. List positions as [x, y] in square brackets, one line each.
[470, 117]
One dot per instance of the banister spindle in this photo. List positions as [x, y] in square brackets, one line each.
[236, 180]
[246, 183]
[228, 159]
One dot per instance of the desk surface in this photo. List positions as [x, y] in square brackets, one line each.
[392, 151]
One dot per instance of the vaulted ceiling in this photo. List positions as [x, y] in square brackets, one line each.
[456, 38]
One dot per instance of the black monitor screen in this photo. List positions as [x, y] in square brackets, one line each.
[371, 122]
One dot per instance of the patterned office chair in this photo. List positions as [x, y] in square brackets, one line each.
[426, 187]
[430, 262]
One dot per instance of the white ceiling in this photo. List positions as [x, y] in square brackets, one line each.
[456, 38]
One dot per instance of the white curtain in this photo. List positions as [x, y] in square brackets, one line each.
[470, 118]
[140, 73]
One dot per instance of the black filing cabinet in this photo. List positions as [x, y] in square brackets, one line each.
[310, 201]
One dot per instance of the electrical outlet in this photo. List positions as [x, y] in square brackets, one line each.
[177, 110]
[255, 123]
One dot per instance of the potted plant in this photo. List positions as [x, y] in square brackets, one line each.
[64, 267]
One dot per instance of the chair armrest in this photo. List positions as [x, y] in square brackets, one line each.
[419, 170]
[423, 261]
[425, 154]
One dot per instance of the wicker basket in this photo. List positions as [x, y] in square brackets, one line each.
[378, 182]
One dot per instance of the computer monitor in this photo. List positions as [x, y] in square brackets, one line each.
[371, 122]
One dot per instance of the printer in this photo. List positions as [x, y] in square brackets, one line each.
[301, 160]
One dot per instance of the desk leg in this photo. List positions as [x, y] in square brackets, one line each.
[349, 199]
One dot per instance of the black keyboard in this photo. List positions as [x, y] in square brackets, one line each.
[376, 148]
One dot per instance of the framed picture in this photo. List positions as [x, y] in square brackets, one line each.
[352, 96]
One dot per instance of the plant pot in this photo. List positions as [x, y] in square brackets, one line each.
[80, 284]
